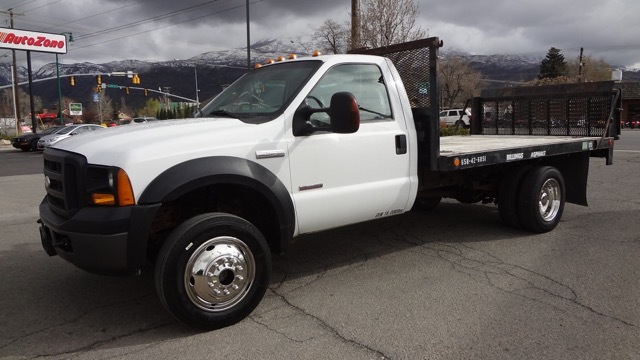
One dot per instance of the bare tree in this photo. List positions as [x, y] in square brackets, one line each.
[332, 37]
[99, 111]
[382, 23]
[386, 22]
[592, 69]
[458, 82]
[6, 102]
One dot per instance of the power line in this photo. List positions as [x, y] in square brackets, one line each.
[165, 26]
[45, 5]
[158, 17]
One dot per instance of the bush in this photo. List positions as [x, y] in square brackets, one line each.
[6, 137]
[453, 130]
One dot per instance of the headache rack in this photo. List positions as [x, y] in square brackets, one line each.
[579, 109]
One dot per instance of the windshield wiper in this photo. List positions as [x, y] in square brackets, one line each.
[383, 116]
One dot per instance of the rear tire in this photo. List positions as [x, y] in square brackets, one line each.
[542, 199]
[508, 196]
[460, 124]
[213, 270]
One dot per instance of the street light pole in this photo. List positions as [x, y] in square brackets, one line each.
[195, 71]
[59, 92]
[58, 77]
[248, 39]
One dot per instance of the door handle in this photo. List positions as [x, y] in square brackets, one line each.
[401, 144]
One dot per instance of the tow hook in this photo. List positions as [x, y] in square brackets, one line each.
[46, 240]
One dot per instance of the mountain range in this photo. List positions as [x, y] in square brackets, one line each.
[216, 69]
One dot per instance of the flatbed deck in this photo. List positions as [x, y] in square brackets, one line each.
[462, 152]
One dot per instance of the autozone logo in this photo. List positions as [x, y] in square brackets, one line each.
[38, 41]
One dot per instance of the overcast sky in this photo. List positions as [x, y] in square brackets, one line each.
[107, 30]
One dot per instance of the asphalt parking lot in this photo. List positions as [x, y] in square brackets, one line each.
[450, 284]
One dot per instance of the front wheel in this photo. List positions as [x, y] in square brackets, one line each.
[213, 270]
[542, 199]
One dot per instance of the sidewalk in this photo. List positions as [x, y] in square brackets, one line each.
[6, 145]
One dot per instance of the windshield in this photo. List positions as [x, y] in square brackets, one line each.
[51, 130]
[262, 94]
[66, 130]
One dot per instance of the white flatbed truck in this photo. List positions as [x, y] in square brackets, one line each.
[295, 147]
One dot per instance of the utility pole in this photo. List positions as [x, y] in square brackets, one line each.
[580, 66]
[14, 69]
[248, 39]
[355, 24]
[166, 91]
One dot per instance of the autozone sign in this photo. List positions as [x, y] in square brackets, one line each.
[32, 41]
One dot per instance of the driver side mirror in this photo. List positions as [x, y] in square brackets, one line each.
[343, 114]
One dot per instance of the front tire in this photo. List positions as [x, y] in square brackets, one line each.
[213, 270]
[542, 199]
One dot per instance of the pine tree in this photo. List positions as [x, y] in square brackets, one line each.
[553, 65]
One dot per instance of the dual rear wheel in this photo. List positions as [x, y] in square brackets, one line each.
[532, 198]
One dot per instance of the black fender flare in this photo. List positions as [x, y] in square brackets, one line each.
[193, 174]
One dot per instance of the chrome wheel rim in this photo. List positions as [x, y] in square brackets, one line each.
[549, 202]
[219, 273]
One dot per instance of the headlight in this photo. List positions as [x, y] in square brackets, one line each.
[108, 186]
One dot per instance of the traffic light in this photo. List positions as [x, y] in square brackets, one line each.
[145, 92]
[136, 79]
[99, 80]
[98, 88]
[126, 90]
[72, 80]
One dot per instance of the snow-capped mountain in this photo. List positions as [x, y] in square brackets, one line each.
[218, 68]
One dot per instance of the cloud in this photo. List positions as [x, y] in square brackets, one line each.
[108, 30]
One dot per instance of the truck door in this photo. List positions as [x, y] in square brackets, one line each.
[340, 179]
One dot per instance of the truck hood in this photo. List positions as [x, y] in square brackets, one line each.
[145, 151]
[119, 145]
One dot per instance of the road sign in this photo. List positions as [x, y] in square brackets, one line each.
[32, 41]
[75, 109]
[96, 97]
[113, 86]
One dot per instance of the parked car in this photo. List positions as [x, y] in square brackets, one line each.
[452, 117]
[138, 120]
[68, 131]
[29, 142]
[632, 124]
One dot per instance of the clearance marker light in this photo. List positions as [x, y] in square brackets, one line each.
[456, 162]
[258, 66]
[270, 61]
[293, 56]
[280, 58]
[316, 53]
